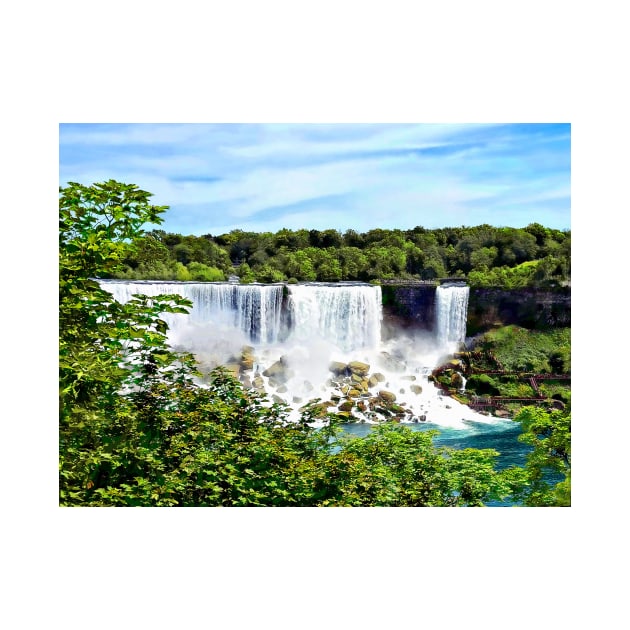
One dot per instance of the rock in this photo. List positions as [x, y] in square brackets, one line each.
[359, 368]
[233, 368]
[361, 406]
[416, 389]
[308, 387]
[380, 378]
[383, 411]
[279, 371]
[297, 399]
[338, 368]
[356, 378]
[456, 380]
[318, 409]
[247, 363]
[391, 363]
[373, 381]
[346, 415]
[401, 390]
[346, 405]
[277, 399]
[353, 393]
[409, 377]
[387, 396]
[247, 358]
[282, 389]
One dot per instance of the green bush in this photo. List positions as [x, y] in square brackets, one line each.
[203, 273]
[482, 384]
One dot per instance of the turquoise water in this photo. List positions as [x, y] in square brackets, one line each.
[501, 436]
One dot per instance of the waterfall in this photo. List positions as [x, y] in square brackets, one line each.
[297, 331]
[348, 316]
[451, 309]
[253, 309]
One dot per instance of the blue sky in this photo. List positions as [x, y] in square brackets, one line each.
[264, 177]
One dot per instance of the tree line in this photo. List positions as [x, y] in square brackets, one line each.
[486, 256]
[136, 428]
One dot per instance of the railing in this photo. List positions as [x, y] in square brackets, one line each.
[410, 282]
[418, 282]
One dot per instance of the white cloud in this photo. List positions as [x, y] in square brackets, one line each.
[374, 172]
[125, 135]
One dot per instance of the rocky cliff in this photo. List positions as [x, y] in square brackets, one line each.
[529, 308]
[408, 306]
[414, 307]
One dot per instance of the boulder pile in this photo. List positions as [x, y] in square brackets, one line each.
[357, 395]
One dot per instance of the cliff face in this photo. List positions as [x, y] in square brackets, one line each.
[409, 306]
[414, 307]
[529, 308]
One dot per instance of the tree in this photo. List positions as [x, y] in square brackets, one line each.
[148, 250]
[105, 347]
[385, 262]
[204, 273]
[354, 263]
[328, 268]
[483, 258]
[433, 268]
[266, 273]
[299, 265]
[395, 466]
[245, 273]
[549, 434]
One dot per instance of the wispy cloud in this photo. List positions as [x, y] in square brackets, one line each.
[265, 177]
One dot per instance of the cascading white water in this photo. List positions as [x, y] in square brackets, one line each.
[346, 316]
[316, 324]
[255, 310]
[451, 309]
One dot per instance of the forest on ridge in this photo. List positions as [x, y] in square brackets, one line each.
[485, 256]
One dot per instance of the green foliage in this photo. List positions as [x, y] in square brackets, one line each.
[549, 433]
[483, 384]
[488, 256]
[199, 271]
[182, 273]
[245, 273]
[105, 347]
[503, 277]
[266, 273]
[395, 466]
[522, 350]
[299, 266]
